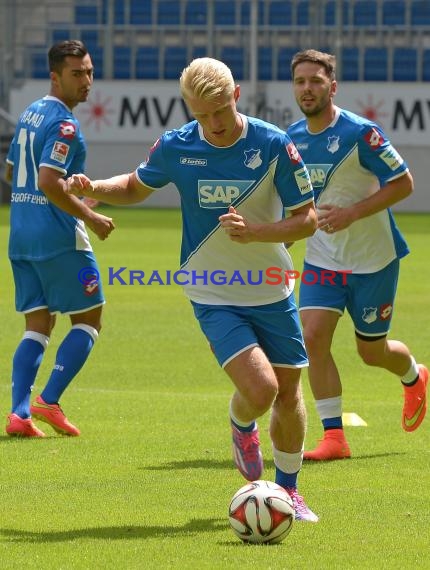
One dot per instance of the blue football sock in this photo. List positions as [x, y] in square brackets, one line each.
[26, 361]
[332, 423]
[71, 356]
[286, 479]
[287, 467]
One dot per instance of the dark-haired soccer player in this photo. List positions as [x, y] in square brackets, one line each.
[53, 265]
[357, 175]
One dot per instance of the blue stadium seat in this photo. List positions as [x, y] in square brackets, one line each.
[196, 13]
[393, 13]
[118, 12]
[169, 13]
[60, 35]
[175, 59]
[265, 63]
[375, 64]
[350, 64]
[420, 13]
[280, 13]
[285, 55]
[140, 12]
[426, 65]
[90, 38]
[86, 15]
[39, 66]
[199, 51]
[365, 13]
[234, 57]
[330, 15]
[303, 13]
[225, 13]
[147, 63]
[121, 62]
[405, 62]
[97, 57]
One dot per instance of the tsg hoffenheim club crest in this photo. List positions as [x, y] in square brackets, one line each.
[333, 144]
[253, 158]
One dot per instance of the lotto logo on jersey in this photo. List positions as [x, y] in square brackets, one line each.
[303, 180]
[385, 311]
[374, 138]
[60, 151]
[221, 193]
[318, 174]
[293, 153]
[392, 158]
[67, 130]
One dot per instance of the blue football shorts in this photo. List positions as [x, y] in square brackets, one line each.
[368, 297]
[231, 330]
[68, 283]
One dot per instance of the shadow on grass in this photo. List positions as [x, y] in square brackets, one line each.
[228, 463]
[194, 526]
[191, 464]
[355, 458]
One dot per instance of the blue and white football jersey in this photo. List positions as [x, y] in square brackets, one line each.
[261, 174]
[349, 161]
[47, 134]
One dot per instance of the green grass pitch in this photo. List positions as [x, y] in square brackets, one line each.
[148, 483]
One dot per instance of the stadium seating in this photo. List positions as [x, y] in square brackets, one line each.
[225, 13]
[350, 64]
[87, 15]
[405, 64]
[303, 13]
[39, 65]
[376, 36]
[60, 35]
[147, 62]
[375, 64]
[196, 13]
[98, 62]
[169, 13]
[280, 13]
[394, 13]
[140, 12]
[426, 65]
[420, 12]
[234, 57]
[284, 60]
[365, 13]
[265, 63]
[122, 62]
[175, 59]
[330, 15]
[199, 51]
[245, 12]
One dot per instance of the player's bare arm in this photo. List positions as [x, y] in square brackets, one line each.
[9, 172]
[333, 218]
[53, 186]
[301, 224]
[118, 190]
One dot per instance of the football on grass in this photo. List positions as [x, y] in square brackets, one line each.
[261, 512]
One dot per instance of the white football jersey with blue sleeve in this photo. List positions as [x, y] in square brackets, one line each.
[261, 175]
[349, 161]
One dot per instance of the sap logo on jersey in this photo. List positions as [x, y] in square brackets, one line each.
[318, 174]
[221, 193]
